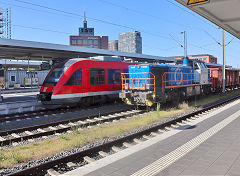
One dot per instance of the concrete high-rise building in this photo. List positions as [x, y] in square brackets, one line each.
[86, 38]
[130, 42]
[113, 45]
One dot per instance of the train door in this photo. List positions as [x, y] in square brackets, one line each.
[114, 79]
[85, 79]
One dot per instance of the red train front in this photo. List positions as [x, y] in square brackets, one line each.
[82, 81]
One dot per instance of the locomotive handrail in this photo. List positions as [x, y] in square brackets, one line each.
[125, 80]
[173, 83]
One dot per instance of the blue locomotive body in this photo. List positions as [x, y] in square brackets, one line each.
[177, 74]
[147, 84]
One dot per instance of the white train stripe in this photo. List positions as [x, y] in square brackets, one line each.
[78, 95]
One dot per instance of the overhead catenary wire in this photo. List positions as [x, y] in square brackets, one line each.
[175, 40]
[78, 15]
[61, 32]
[93, 19]
[212, 37]
[147, 14]
[33, 9]
[218, 41]
[230, 41]
[196, 46]
[198, 17]
[42, 29]
[162, 49]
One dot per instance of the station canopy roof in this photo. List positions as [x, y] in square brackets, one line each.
[19, 63]
[24, 50]
[223, 13]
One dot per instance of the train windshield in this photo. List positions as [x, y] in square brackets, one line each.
[55, 74]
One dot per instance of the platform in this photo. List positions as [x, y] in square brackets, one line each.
[19, 97]
[20, 100]
[20, 90]
[209, 145]
[19, 94]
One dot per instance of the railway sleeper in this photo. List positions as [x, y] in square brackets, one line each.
[52, 128]
[41, 130]
[103, 154]
[174, 126]
[154, 134]
[168, 128]
[161, 130]
[137, 140]
[63, 126]
[91, 121]
[71, 164]
[97, 118]
[88, 159]
[15, 135]
[180, 124]
[2, 139]
[126, 144]
[116, 149]
[52, 172]
[72, 124]
[146, 137]
[28, 133]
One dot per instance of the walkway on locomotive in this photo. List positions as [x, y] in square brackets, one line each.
[155, 76]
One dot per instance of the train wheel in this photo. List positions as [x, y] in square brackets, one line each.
[103, 100]
[86, 102]
[176, 100]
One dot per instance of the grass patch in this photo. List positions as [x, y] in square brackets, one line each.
[212, 98]
[46, 148]
[77, 138]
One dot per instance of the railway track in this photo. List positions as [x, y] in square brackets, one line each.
[34, 114]
[78, 159]
[57, 128]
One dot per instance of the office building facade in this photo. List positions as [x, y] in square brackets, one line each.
[86, 38]
[203, 57]
[100, 42]
[130, 42]
[113, 45]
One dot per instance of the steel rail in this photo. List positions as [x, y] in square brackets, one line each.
[39, 168]
[51, 132]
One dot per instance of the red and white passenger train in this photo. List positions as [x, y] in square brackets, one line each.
[83, 81]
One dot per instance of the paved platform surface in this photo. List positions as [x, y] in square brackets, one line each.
[20, 90]
[19, 97]
[209, 145]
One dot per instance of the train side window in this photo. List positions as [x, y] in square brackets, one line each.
[75, 79]
[97, 76]
[114, 76]
[196, 66]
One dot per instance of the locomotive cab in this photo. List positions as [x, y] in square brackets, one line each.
[201, 69]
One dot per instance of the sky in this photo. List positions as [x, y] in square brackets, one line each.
[159, 21]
